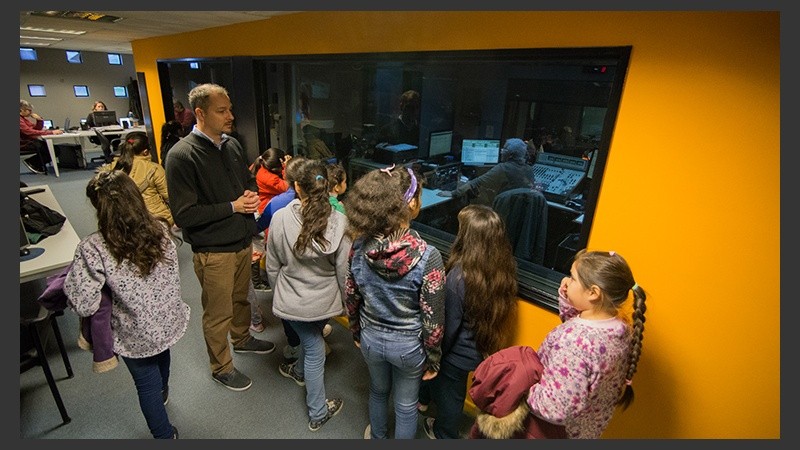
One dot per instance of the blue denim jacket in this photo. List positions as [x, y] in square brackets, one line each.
[397, 284]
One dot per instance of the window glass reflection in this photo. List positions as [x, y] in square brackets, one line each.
[522, 134]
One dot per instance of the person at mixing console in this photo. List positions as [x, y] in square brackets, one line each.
[513, 172]
[404, 129]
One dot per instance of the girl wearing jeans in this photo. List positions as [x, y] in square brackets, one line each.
[133, 254]
[306, 266]
[394, 296]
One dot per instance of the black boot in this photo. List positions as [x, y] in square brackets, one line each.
[255, 273]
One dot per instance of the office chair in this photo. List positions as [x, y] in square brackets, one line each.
[32, 317]
[108, 146]
[524, 212]
[26, 153]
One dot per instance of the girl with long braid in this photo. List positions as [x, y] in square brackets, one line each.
[590, 359]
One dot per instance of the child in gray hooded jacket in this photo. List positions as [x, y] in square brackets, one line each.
[306, 265]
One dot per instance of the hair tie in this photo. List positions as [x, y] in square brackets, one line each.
[319, 177]
[411, 189]
[388, 170]
[635, 285]
[130, 141]
[628, 382]
[612, 253]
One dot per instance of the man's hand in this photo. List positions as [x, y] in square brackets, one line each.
[247, 203]
[58, 131]
[445, 193]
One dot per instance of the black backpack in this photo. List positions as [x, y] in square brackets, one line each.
[39, 219]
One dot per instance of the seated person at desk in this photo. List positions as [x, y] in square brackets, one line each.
[98, 106]
[513, 172]
[30, 130]
[404, 129]
[315, 147]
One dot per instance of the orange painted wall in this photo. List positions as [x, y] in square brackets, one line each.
[691, 194]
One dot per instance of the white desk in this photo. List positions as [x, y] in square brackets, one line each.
[59, 249]
[429, 198]
[76, 136]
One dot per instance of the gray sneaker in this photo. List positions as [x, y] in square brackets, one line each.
[287, 370]
[233, 380]
[254, 345]
[334, 406]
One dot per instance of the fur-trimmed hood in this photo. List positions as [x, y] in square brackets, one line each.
[500, 389]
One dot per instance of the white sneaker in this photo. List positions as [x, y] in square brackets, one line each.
[327, 330]
[368, 432]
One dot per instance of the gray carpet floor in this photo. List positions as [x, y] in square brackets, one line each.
[105, 406]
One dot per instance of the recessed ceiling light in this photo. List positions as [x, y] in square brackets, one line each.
[40, 38]
[51, 30]
[35, 44]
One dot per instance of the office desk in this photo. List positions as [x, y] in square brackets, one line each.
[76, 136]
[429, 198]
[59, 249]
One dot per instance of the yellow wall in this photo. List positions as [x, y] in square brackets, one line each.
[691, 194]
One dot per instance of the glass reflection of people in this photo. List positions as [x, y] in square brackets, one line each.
[185, 117]
[404, 129]
[31, 128]
[315, 147]
[513, 172]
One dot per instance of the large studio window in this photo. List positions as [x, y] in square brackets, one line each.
[449, 114]
[464, 106]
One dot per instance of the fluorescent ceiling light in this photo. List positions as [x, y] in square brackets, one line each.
[51, 30]
[40, 38]
[34, 44]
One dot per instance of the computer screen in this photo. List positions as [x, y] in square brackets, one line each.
[48, 124]
[104, 118]
[440, 142]
[478, 152]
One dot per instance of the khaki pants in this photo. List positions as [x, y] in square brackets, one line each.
[224, 278]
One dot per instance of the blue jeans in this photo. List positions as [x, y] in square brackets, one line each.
[311, 365]
[396, 362]
[151, 376]
[448, 390]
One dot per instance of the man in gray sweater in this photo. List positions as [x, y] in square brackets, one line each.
[213, 196]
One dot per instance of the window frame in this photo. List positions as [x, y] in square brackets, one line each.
[114, 59]
[123, 89]
[37, 90]
[74, 56]
[80, 90]
[28, 50]
[276, 93]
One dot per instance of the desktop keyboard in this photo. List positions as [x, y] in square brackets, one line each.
[110, 128]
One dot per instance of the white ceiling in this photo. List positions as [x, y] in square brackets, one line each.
[116, 37]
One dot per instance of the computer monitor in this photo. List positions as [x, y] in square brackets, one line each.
[440, 143]
[48, 124]
[479, 152]
[103, 118]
